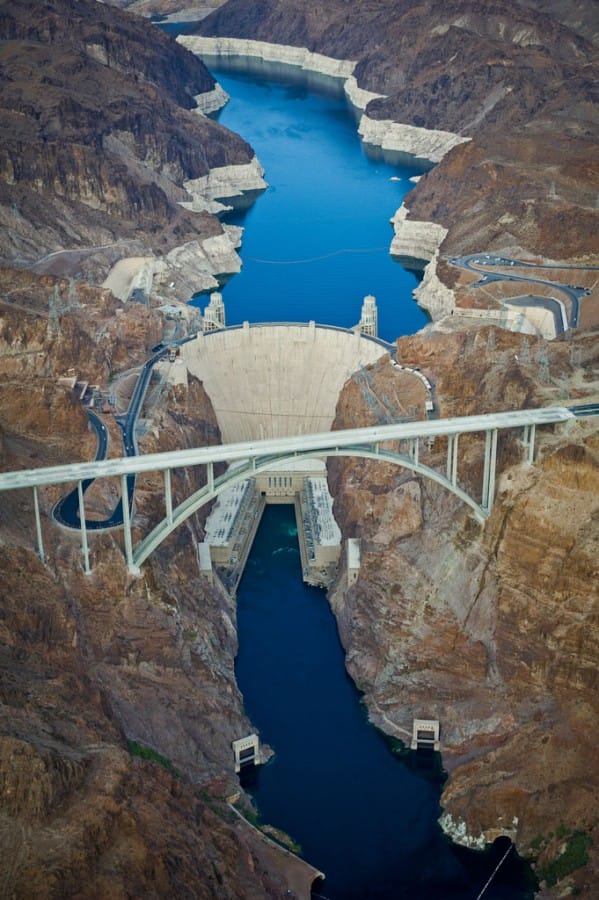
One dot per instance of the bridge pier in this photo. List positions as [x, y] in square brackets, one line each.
[168, 496]
[84, 544]
[38, 526]
[452, 458]
[489, 469]
[127, 523]
[529, 443]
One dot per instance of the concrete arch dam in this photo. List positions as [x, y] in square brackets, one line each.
[277, 380]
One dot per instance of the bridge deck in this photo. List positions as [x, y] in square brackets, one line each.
[275, 447]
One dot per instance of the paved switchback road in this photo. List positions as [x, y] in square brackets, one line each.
[66, 511]
[478, 262]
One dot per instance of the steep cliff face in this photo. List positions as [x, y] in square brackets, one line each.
[118, 702]
[493, 629]
[99, 134]
[440, 67]
[79, 811]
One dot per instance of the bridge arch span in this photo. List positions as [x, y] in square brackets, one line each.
[232, 477]
[256, 456]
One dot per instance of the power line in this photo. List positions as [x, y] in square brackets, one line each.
[494, 872]
[298, 262]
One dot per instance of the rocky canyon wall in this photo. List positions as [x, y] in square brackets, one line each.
[493, 629]
[101, 135]
[118, 700]
[499, 95]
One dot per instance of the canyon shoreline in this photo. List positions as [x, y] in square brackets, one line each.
[418, 240]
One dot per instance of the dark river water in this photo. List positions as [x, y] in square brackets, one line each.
[315, 243]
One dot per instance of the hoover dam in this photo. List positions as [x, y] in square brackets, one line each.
[272, 381]
[277, 380]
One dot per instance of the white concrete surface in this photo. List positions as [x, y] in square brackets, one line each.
[276, 380]
[129, 273]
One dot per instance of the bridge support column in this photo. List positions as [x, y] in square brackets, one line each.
[133, 569]
[38, 526]
[529, 443]
[414, 449]
[84, 545]
[452, 458]
[168, 496]
[210, 476]
[489, 469]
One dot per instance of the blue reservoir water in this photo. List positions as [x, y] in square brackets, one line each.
[315, 243]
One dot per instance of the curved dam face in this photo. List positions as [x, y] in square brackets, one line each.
[270, 381]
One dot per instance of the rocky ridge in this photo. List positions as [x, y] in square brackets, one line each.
[493, 629]
[100, 119]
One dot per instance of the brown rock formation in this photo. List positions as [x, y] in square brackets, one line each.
[90, 663]
[98, 134]
[493, 630]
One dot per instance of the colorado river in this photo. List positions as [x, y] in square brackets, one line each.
[314, 244]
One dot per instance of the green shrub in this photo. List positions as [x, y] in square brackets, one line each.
[574, 857]
[536, 842]
[143, 752]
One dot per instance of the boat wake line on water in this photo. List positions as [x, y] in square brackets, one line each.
[297, 262]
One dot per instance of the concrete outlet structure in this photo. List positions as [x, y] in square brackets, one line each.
[246, 751]
[425, 734]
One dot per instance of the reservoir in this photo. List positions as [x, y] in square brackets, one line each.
[315, 243]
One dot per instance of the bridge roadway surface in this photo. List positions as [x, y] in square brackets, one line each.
[259, 456]
[66, 510]
[286, 447]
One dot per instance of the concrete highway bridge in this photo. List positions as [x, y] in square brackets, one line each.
[398, 444]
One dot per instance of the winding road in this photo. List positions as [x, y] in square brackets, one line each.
[478, 262]
[66, 510]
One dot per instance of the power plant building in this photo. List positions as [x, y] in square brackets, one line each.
[234, 520]
[318, 532]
